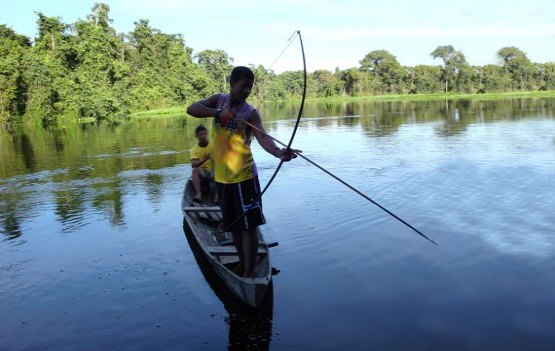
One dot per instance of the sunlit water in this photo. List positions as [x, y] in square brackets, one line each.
[93, 255]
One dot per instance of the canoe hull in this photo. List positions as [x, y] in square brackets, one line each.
[249, 290]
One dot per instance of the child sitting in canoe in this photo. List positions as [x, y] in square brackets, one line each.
[201, 161]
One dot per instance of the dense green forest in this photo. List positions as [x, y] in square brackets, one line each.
[87, 70]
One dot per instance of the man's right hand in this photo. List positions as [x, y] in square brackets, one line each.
[225, 116]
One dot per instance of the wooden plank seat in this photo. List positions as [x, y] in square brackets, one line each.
[230, 250]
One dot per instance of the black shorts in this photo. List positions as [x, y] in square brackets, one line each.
[237, 199]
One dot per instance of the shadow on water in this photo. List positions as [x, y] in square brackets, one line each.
[249, 328]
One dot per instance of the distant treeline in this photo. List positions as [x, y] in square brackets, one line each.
[88, 70]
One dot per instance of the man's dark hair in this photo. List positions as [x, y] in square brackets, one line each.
[199, 129]
[241, 72]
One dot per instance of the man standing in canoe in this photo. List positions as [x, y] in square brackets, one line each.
[235, 171]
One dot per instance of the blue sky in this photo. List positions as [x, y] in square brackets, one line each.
[336, 33]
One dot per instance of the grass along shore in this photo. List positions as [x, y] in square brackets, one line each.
[180, 110]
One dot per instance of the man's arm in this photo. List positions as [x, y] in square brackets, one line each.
[204, 108]
[207, 108]
[266, 142]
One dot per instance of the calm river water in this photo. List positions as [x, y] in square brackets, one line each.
[93, 255]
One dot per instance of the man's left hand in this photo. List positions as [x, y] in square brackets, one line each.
[287, 155]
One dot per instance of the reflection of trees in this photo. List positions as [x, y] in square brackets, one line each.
[289, 109]
[459, 114]
[349, 121]
[15, 207]
[70, 207]
[452, 121]
[102, 150]
[9, 219]
[153, 184]
[380, 125]
[84, 152]
[58, 141]
[349, 109]
[325, 122]
[111, 203]
[382, 118]
[27, 152]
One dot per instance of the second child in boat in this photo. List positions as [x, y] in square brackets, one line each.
[201, 161]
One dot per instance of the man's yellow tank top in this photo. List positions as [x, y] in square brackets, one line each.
[232, 152]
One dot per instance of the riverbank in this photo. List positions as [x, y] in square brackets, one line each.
[180, 110]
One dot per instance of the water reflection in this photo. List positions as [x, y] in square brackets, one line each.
[420, 111]
[58, 141]
[13, 211]
[476, 175]
[80, 166]
[26, 149]
[154, 183]
[11, 225]
[70, 208]
[111, 204]
[249, 328]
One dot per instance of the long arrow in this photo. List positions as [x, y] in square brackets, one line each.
[343, 182]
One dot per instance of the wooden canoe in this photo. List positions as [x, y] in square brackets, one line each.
[203, 221]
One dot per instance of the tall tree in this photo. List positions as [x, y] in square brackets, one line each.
[464, 81]
[181, 71]
[164, 73]
[489, 79]
[453, 60]
[12, 85]
[517, 66]
[51, 30]
[217, 64]
[47, 68]
[327, 83]
[427, 79]
[546, 75]
[351, 78]
[383, 65]
[95, 89]
[100, 15]
[263, 77]
[292, 82]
